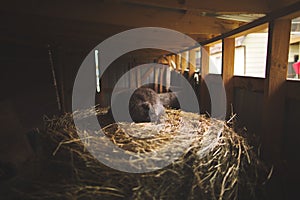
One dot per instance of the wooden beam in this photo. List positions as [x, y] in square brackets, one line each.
[227, 70]
[201, 37]
[192, 62]
[274, 92]
[173, 61]
[169, 59]
[42, 30]
[124, 15]
[259, 28]
[277, 4]
[163, 60]
[284, 12]
[246, 6]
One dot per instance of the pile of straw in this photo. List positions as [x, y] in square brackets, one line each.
[212, 160]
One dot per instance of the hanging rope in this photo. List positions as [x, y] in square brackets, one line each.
[54, 79]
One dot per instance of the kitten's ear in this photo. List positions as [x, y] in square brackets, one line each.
[146, 106]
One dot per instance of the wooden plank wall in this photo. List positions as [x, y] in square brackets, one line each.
[248, 103]
[270, 108]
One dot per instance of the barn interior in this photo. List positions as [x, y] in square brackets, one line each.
[44, 43]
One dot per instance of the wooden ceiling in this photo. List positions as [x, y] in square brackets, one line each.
[85, 23]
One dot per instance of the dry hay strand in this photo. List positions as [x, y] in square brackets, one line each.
[214, 162]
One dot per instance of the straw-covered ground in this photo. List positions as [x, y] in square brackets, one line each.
[187, 156]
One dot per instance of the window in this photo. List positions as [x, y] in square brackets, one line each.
[250, 54]
[215, 59]
[97, 71]
[294, 51]
[179, 62]
[239, 61]
[187, 53]
[198, 60]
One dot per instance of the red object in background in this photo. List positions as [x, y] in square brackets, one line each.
[296, 67]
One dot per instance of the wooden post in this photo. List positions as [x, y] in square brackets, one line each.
[168, 58]
[147, 74]
[183, 62]
[173, 58]
[132, 77]
[138, 77]
[274, 91]
[156, 73]
[192, 62]
[204, 95]
[161, 79]
[168, 78]
[178, 62]
[228, 47]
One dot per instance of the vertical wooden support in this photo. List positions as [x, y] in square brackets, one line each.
[138, 77]
[132, 77]
[168, 58]
[204, 95]
[205, 61]
[173, 58]
[161, 79]
[192, 62]
[159, 61]
[178, 62]
[228, 48]
[168, 78]
[156, 73]
[274, 91]
[147, 74]
[183, 61]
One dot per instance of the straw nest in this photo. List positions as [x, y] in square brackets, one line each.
[209, 160]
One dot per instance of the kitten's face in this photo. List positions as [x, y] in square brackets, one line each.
[145, 106]
[155, 112]
[147, 112]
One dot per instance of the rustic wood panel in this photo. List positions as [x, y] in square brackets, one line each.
[249, 83]
[290, 140]
[293, 89]
[248, 106]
